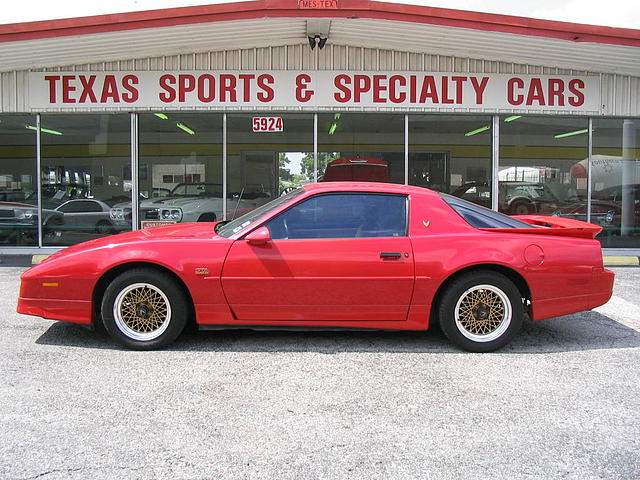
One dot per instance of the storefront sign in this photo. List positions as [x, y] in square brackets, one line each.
[316, 89]
[318, 4]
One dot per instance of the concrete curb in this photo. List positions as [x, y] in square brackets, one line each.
[621, 260]
[38, 258]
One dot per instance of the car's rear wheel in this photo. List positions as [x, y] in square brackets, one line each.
[104, 227]
[521, 208]
[144, 309]
[481, 311]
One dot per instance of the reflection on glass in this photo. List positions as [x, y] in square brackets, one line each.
[267, 155]
[180, 173]
[359, 146]
[452, 154]
[537, 173]
[615, 181]
[18, 200]
[86, 170]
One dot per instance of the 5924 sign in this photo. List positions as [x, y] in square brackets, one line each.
[267, 124]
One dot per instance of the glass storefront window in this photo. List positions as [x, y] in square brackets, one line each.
[452, 154]
[371, 144]
[615, 181]
[180, 168]
[539, 156]
[86, 170]
[267, 155]
[18, 181]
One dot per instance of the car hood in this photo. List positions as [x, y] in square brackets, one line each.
[174, 231]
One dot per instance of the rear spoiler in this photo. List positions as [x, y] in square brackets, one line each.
[560, 226]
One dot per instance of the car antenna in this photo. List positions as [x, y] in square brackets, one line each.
[238, 202]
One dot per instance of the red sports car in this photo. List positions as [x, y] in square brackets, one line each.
[354, 255]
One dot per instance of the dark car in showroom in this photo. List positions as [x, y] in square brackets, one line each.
[514, 198]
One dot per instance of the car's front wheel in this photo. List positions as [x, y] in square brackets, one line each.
[481, 311]
[144, 309]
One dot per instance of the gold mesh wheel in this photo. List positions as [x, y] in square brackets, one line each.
[142, 311]
[483, 313]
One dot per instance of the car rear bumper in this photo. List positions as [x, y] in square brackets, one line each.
[601, 289]
[75, 311]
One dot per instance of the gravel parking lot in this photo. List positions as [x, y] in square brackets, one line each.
[563, 401]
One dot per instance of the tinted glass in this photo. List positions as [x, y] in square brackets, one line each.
[615, 182]
[362, 136]
[267, 155]
[481, 217]
[540, 165]
[180, 156]
[18, 197]
[242, 222]
[343, 216]
[84, 156]
[452, 154]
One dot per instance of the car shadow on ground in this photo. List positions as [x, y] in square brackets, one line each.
[578, 332]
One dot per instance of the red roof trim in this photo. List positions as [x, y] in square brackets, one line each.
[348, 9]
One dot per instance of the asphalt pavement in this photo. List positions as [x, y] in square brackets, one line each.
[562, 401]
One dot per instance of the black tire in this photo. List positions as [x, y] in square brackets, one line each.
[481, 311]
[521, 208]
[207, 217]
[104, 227]
[153, 322]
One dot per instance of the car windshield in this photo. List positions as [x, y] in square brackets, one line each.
[197, 189]
[241, 223]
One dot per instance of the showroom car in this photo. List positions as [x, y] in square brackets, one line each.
[514, 198]
[329, 255]
[606, 208]
[187, 202]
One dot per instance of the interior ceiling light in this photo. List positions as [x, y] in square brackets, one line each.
[183, 127]
[571, 134]
[43, 130]
[512, 118]
[477, 130]
[332, 128]
[162, 116]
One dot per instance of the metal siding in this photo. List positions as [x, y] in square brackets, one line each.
[620, 93]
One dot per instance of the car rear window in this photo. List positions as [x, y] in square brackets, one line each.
[481, 217]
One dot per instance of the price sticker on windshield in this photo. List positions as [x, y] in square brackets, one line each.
[267, 124]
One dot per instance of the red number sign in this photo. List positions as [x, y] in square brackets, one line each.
[267, 124]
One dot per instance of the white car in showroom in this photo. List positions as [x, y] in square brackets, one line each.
[188, 202]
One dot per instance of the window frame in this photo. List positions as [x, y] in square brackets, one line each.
[324, 194]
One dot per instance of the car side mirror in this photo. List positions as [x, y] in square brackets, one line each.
[260, 236]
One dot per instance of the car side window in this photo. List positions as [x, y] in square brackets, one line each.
[344, 215]
[80, 207]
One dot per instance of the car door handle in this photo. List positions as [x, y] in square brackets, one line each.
[390, 255]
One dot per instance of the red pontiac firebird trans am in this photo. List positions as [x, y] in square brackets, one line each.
[335, 254]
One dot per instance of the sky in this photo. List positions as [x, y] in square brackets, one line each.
[614, 13]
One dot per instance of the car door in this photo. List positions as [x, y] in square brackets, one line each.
[331, 257]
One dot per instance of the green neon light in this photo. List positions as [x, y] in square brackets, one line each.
[477, 130]
[162, 116]
[571, 134]
[512, 118]
[337, 116]
[183, 127]
[332, 128]
[43, 130]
